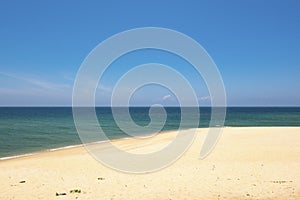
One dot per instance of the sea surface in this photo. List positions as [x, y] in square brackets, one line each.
[32, 129]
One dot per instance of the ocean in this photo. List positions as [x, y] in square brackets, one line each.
[25, 130]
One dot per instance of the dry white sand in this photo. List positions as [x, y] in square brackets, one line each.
[247, 163]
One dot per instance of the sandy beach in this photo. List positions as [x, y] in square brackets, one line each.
[247, 163]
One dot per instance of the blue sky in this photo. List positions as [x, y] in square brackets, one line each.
[255, 44]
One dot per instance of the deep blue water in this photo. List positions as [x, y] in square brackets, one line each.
[30, 129]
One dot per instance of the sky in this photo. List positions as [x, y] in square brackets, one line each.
[255, 45]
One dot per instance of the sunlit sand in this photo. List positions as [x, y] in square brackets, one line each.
[247, 163]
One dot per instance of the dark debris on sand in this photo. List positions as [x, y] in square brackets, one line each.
[61, 194]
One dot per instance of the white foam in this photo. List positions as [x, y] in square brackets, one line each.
[66, 147]
[50, 150]
[18, 156]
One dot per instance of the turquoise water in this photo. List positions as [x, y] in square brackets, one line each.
[30, 129]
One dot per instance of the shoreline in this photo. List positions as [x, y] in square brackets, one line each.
[122, 138]
[79, 145]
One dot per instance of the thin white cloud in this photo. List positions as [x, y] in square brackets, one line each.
[68, 77]
[205, 98]
[104, 88]
[168, 96]
[38, 83]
